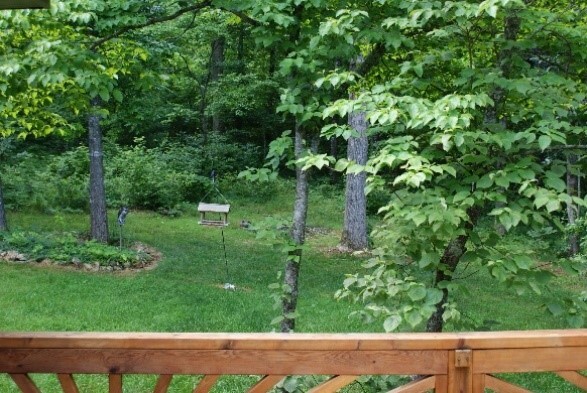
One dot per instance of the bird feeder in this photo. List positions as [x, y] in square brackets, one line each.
[218, 210]
[23, 4]
[213, 214]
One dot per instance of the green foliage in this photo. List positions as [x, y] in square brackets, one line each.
[280, 149]
[175, 172]
[47, 183]
[145, 178]
[466, 118]
[162, 177]
[299, 383]
[65, 248]
[276, 231]
[239, 188]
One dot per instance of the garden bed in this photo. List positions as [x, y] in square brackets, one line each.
[70, 251]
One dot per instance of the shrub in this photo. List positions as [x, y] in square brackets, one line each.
[161, 178]
[141, 178]
[47, 183]
[63, 248]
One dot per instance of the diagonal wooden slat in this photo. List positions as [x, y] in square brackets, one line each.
[25, 383]
[206, 383]
[266, 383]
[416, 386]
[575, 378]
[334, 383]
[115, 383]
[67, 383]
[163, 383]
[501, 386]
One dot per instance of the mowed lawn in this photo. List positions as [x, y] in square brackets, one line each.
[184, 292]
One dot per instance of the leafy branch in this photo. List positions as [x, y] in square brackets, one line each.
[150, 22]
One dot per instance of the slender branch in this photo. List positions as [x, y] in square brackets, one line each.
[150, 22]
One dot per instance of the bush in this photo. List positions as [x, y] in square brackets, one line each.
[161, 178]
[66, 247]
[239, 188]
[48, 183]
[142, 178]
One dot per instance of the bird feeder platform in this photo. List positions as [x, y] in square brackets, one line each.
[212, 209]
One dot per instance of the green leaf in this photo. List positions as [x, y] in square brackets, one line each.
[392, 323]
[104, 95]
[553, 205]
[555, 309]
[485, 182]
[576, 321]
[427, 260]
[556, 183]
[544, 141]
[414, 318]
[492, 11]
[117, 95]
[460, 196]
[417, 293]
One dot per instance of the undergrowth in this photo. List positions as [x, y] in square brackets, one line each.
[66, 248]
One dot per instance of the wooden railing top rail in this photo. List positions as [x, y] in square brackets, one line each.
[298, 341]
[451, 362]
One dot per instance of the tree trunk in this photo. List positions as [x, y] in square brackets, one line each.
[3, 221]
[98, 212]
[354, 233]
[448, 263]
[298, 231]
[574, 246]
[216, 69]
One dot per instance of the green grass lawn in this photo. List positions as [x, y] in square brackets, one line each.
[184, 293]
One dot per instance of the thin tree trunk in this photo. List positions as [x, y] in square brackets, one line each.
[298, 231]
[574, 246]
[98, 212]
[354, 233]
[448, 263]
[3, 221]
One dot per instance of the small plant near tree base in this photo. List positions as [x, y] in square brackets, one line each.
[68, 249]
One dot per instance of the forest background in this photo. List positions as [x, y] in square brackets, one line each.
[462, 121]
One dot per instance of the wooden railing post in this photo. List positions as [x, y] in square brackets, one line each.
[460, 376]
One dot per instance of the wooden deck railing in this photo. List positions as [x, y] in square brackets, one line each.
[447, 362]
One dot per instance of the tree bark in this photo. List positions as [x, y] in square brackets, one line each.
[216, 70]
[574, 246]
[448, 263]
[98, 212]
[354, 233]
[3, 220]
[298, 232]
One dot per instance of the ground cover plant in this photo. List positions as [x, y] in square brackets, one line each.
[184, 293]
